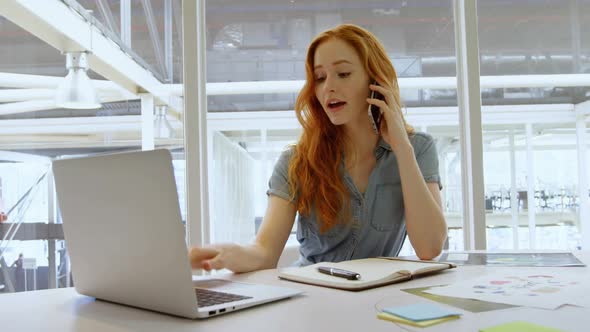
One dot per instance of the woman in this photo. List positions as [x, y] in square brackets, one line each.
[19, 273]
[357, 192]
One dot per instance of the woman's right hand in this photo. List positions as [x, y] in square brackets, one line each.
[219, 256]
[201, 257]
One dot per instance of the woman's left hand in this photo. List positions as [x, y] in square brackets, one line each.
[392, 125]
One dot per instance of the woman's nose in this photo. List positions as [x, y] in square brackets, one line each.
[329, 84]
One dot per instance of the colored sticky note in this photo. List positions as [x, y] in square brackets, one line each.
[424, 323]
[519, 326]
[421, 311]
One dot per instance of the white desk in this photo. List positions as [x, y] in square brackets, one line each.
[320, 309]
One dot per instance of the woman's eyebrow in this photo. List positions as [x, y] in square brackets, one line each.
[337, 62]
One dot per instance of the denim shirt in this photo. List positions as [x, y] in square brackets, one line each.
[378, 227]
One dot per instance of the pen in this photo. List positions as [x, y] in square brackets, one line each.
[339, 273]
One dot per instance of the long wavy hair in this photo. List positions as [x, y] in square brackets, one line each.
[315, 177]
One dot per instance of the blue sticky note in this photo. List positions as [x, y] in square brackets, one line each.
[421, 311]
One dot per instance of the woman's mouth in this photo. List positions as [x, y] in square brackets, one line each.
[336, 106]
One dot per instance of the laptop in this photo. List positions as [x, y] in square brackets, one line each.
[126, 239]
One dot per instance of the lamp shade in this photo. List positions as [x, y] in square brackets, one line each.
[76, 90]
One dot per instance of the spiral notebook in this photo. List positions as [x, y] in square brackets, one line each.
[374, 272]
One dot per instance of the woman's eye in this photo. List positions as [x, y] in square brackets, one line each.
[320, 79]
[343, 75]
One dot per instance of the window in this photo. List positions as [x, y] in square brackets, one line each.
[34, 130]
[260, 42]
[530, 148]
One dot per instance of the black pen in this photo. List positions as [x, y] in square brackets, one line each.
[339, 273]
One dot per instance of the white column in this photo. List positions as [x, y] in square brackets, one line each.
[583, 187]
[513, 199]
[195, 122]
[168, 42]
[442, 157]
[126, 22]
[68, 270]
[530, 185]
[266, 169]
[51, 218]
[211, 176]
[147, 121]
[469, 100]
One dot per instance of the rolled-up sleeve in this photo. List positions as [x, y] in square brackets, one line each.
[427, 157]
[278, 184]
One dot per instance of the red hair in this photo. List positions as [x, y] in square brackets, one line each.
[314, 173]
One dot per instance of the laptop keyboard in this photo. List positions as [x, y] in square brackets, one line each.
[207, 297]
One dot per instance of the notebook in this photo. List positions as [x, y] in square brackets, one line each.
[374, 272]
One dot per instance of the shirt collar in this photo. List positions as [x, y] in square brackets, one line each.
[382, 145]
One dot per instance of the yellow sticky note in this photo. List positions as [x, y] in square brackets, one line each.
[424, 323]
[519, 326]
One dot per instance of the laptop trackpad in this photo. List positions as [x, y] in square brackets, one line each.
[213, 283]
[226, 286]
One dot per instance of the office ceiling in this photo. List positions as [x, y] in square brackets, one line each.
[258, 40]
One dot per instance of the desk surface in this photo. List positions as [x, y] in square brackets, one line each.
[319, 309]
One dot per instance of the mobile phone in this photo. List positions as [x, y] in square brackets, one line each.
[375, 115]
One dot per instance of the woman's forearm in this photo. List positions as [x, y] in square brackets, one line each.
[243, 258]
[425, 221]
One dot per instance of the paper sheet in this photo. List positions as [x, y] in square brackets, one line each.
[424, 323]
[531, 288]
[519, 326]
[470, 305]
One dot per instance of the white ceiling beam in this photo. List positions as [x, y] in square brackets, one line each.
[494, 114]
[487, 82]
[42, 105]
[535, 81]
[75, 126]
[26, 81]
[16, 95]
[108, 91]
[252, 120]
[78, 142]
[229, 88]
[27, 106]
[68, 31]
[417, 116]
[10, 80]
[71, 126]
[12, 95]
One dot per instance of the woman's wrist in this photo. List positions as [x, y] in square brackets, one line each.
[403, 149]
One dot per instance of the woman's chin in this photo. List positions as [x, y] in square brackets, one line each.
[337, 121]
